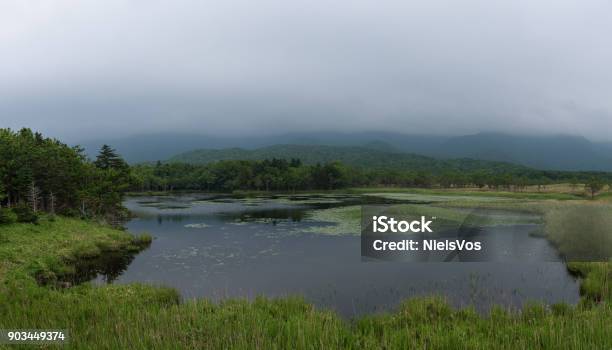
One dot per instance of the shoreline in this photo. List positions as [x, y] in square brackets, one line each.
[116, 308]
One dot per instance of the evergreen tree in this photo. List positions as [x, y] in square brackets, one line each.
[108, 159]
[43, 174]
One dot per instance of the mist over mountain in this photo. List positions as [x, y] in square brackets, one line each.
[359, 157]
[161, 146]
[553, 152]
[559, 152]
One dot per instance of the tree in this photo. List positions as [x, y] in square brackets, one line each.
[108, 159]
[594, 185]
[479, 179]
[44, 174]
[2, 194]
[34, 196]
[423, 179]
[573, 183]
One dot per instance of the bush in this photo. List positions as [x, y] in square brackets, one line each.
[25, 214]
[70, 212]
[7, 216]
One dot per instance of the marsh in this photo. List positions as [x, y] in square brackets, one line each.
[217, 247]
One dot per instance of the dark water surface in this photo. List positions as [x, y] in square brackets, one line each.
[221, 247]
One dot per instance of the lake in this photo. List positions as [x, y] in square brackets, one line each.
[225, 247]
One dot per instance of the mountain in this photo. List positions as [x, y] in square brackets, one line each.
[361, 157]
[558, 152]
[604, 148]
[161, 146]
[152, 147]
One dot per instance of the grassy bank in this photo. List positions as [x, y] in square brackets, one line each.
[526, 194]
[50, 250]
[559, 192]
[137, 316]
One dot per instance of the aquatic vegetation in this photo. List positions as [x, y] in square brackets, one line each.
[342, 220]
[198, 225]
[149, 202]
[239, 222]
[161, 205]
[308, 200]
[248, 201]
[431, 198]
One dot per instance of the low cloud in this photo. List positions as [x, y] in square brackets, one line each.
[86, 69]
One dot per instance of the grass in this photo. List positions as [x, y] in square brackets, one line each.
[581, 232]
[471, 192]
[137, 316]
[49, 249]
[604, 196]
[341, 220]
[596, 286]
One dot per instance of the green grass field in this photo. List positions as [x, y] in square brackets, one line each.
[139, 316]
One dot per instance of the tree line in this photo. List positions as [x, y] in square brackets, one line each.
[293, 175]
[40, 174]
[231, 175]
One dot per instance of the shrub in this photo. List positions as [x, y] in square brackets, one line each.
[70, 212]
[7, 216]
[25, 214]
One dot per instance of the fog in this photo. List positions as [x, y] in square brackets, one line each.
[90, 69]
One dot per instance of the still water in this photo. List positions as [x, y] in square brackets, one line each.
[226, 247]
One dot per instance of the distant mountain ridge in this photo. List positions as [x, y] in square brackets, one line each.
[361, 157]
[556, 152]
[161, 146]
[560, 152]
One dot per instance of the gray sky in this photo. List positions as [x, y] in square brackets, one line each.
[87, 69]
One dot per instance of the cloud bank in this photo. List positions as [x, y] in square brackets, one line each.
[86, 69]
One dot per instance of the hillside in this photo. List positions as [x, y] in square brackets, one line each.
[160, 146]
[558, 152]
[360, 157]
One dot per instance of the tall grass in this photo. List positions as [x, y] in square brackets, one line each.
[471, 192]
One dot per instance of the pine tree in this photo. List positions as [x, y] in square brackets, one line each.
[108, 159]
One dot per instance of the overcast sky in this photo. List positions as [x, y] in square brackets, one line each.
[87, 69]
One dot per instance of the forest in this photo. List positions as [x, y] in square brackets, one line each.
[292, 175]
[43, 174]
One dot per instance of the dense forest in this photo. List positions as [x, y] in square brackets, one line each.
[39, 174]
[292, 175]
